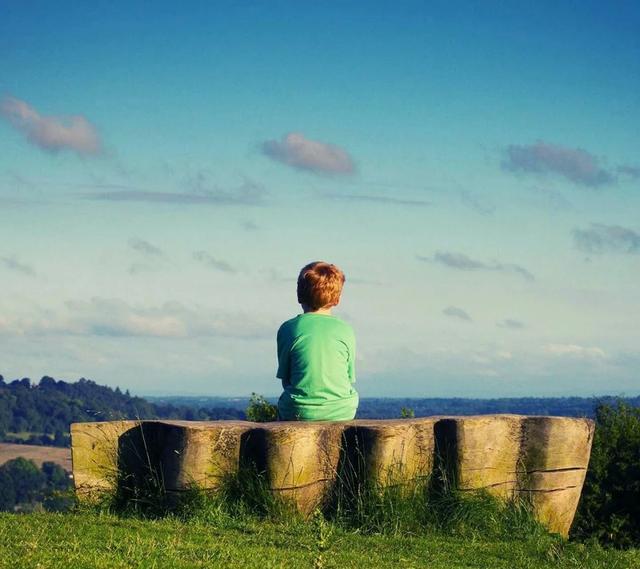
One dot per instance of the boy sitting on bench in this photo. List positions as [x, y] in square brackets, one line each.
[316, 352]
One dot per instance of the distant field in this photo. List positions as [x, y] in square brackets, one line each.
[38, 454]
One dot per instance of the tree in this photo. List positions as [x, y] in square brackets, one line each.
[55, 475]
[260, 410]
[28, 480]
[60, 439]
[47, 383]
[7, 492]
[610, 505]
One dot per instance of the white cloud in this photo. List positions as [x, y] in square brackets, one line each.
[574, 350]
[117, 318]
[52, 133]
[295, 150]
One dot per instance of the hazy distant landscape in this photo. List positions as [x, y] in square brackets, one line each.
[390, 407]
[40, 412]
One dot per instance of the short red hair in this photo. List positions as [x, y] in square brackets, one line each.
[320, 285]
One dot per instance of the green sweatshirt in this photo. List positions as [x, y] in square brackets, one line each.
[316, 357]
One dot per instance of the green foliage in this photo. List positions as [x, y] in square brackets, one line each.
[239, 498]
[407, 413]
[28, 479]
[49, 406]
[609, 509]
[56, 476]
[7, 492]
[45, 410]
[429, 505]
[24, 486]
[260, 410]
[323, 533]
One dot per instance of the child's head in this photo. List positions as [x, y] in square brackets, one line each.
[320, 285]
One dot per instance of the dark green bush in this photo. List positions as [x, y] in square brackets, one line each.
[260, 410]
[609, 509]
[23, 486]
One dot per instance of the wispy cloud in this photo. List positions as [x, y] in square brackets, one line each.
[479, 203]
[117, 318]
[13, 264]
[297, 151]
[151, 256]
[600, 238]
[379, 199]
[630, 171]
[213, 263]
[455, 312]
[548, 198]
[145, 247]
[575, 351]
[52, 133]
[574, 164]
[21, 182]
[139, 268]
[462, 262]
[511, 324]
[249, 225]
[248, 193]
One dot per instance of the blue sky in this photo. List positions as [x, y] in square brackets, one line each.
[474, 168]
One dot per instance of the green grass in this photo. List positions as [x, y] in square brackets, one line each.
[242, 524]
[91, 540]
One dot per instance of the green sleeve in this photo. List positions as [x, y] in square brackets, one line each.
[352, 359]
[283, 357]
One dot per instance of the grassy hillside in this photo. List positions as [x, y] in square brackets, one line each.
[104, 541]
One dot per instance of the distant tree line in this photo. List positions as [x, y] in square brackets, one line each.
[386, 408]
[391, 407]
[25, 487]
[40, 413]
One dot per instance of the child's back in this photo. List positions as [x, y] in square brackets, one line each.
[316, 352]
[316, 364]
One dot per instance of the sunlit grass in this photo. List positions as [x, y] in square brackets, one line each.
[93, 540]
